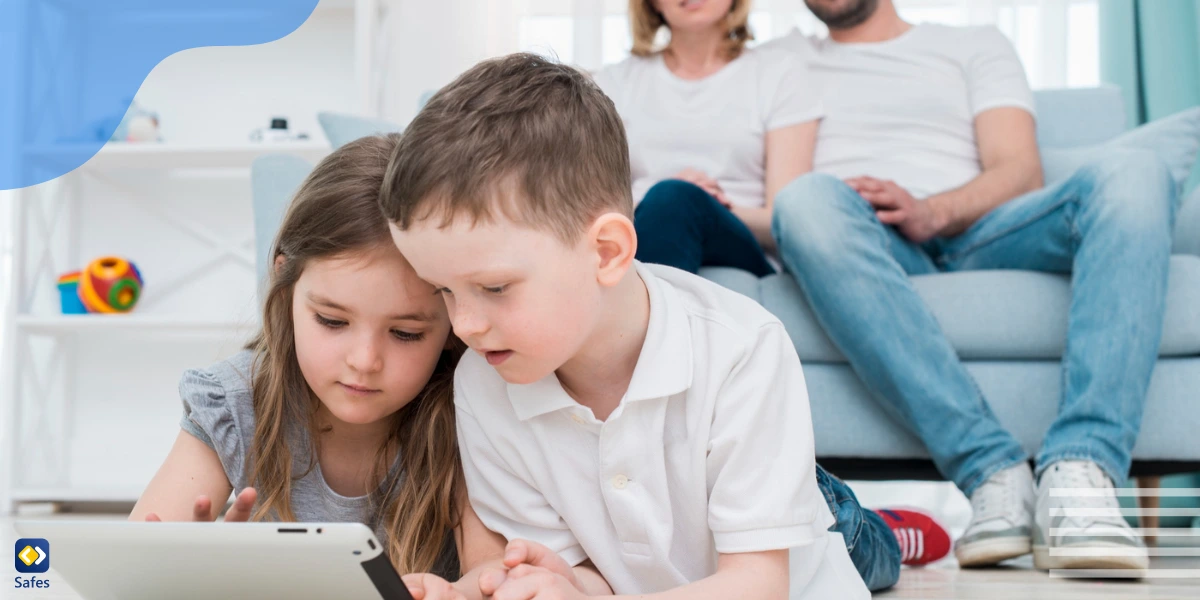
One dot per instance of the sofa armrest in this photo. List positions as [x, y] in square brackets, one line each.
[1187, 225]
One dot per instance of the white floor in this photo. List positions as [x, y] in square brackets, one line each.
[1017, 579]
[1014, 580]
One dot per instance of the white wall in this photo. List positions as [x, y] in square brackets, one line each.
[428, 43]
[218, 95]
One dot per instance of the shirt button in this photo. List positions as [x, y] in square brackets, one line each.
[620, 481]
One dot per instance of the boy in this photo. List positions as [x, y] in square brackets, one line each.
[632, 415]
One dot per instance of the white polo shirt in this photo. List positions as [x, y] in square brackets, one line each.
[710, 451]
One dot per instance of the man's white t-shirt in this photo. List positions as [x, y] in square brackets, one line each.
[710, 451]
[905, 109]
[716, 125]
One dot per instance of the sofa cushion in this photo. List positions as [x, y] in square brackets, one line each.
[342, 129]
[273, 180]
[987, 315]
[849, 423]
[1175, 139]
[1072, 117]
[1187, 225]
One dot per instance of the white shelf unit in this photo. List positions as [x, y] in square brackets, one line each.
[168, 156]
[131, 324]
[88, 403]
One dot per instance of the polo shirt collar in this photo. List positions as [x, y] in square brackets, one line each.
[664, 366]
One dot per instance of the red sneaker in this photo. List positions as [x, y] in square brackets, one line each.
[922, 539]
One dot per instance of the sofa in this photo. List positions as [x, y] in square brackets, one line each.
[1009, 326]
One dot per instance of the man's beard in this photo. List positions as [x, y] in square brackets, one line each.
[855, 13]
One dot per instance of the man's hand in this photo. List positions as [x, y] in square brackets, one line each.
[202, 509]
[526, 582]
[426, 586]
[525, 552]
[704, 182]
[915, 219]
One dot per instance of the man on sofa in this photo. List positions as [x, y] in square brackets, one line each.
[927, 161]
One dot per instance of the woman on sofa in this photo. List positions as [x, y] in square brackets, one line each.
[715, 129]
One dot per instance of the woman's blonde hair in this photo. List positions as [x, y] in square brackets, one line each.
[336, 213]
[645, 22]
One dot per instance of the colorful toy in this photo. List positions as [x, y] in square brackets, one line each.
[108, 284]
[68, 292]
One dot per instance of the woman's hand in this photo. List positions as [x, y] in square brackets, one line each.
[202, 509]
[704, 182]
[427, 586]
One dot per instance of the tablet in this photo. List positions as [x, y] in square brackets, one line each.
[121, 560]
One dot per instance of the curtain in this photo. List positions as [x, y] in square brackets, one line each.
[1151, 49]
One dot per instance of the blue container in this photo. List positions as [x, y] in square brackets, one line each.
[68, 292]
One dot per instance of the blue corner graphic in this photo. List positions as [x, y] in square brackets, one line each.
[69, 69]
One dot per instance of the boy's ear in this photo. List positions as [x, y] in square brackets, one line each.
[614, 240]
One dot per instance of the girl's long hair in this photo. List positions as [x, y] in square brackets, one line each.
[336, 213]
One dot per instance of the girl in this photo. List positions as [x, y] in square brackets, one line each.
[341, 409]
[715, 130]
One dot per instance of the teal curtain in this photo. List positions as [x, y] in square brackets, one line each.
[1151, 50]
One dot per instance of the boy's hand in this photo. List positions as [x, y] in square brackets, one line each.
[202, 509]
[526, 582]
[426, 586]
[525, 552]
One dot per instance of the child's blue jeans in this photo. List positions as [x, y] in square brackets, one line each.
[872, 545]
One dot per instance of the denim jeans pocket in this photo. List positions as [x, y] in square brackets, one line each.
[844, 506]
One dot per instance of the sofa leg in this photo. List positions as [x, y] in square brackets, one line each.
[1149, 521]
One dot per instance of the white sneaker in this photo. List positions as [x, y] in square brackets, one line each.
[1001, 519]
[1081, 526]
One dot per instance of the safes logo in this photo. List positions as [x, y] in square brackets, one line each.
[32, 556]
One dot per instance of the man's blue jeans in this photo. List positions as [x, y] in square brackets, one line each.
[1109, 225]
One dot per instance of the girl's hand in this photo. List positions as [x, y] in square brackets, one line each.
[202, 509]
[526, 582]
[427, 586]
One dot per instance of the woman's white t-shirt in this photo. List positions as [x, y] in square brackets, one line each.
[716, 125]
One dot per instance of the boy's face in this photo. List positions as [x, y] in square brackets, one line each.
[519, 297]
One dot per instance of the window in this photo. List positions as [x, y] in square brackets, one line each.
[1058, 40]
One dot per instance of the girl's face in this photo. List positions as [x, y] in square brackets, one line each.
[694, 15]
[368, 333]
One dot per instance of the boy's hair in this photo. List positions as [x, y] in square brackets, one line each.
[335, 214]
[530, 137]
